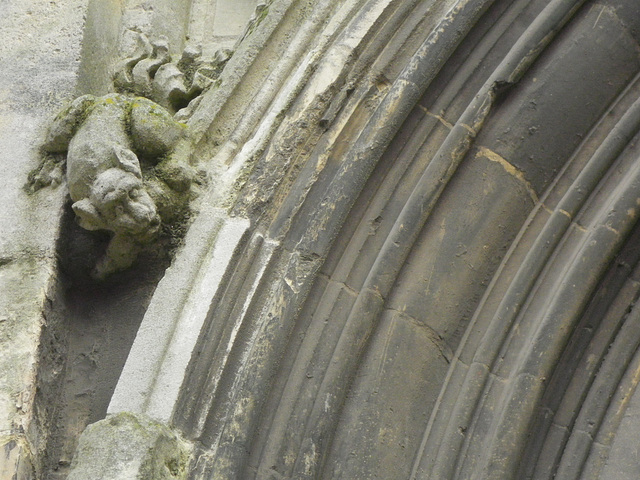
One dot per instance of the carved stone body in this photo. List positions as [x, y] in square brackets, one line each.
[104, 138]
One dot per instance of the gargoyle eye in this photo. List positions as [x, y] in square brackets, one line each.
[134, 193]
[119, 210]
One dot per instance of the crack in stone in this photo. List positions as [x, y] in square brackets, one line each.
[510, 169]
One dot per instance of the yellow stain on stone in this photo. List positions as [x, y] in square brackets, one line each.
[469, 129]
[509, 168]
[574, 223]
[440, 118]
[579, 227]
[546, 209]
[626, 395]
[611, 229]
[564, 212]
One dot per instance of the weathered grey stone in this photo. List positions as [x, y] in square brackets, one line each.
[130, 447]
[148, 71]
[416, 257]
[105, 178]
[40, 55]
[154, 374]
[15, 459]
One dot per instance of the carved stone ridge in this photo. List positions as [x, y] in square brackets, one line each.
[149, 71]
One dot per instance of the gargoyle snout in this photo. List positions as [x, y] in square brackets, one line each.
[143, 212]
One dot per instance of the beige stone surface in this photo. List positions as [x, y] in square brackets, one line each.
[40, 54]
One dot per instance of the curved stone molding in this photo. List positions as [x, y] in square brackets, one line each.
[417, 256]
[151, 380]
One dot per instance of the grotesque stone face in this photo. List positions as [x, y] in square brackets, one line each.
[119, 203]
[103, 137]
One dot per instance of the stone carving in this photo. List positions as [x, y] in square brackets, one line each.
[105, 139]
[122, 169]
[150, 72]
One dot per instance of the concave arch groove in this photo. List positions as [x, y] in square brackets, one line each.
[442, 452]
[409, 248]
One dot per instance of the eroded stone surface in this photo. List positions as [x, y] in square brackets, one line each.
[149, 71]
[129, 447]
[105, 138]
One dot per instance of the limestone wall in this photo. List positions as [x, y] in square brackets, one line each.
[40, 55]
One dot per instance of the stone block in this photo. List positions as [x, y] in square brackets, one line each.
[130, 447]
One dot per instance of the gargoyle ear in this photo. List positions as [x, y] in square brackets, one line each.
[88, 216]
[127, 160]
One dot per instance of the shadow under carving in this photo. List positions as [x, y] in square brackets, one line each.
[126, 171]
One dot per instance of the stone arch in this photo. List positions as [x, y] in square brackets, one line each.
[417, 258]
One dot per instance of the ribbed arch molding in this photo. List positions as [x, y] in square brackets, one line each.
[440, 275]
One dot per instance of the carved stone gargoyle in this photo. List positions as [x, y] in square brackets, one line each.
[119, 170]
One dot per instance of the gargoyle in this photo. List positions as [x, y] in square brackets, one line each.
[105, 138]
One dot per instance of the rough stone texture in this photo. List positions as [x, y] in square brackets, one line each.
[40, 56]
[103, 138]
[129, 447]
[222, 21]
[416, 258]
